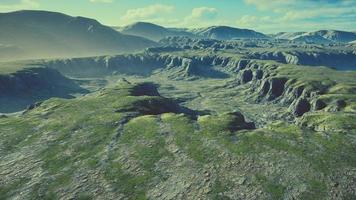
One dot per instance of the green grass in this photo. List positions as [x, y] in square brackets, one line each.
[189, 139]
[275, 190]
[72, 136]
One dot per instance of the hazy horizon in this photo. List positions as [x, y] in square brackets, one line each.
[268, 16]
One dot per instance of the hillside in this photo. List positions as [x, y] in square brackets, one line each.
[221, 114]
[41, 34]
[169, 126]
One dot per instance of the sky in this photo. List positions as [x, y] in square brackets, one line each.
[268, 16]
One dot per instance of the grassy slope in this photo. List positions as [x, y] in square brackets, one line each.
[103, 146]
[100, 145]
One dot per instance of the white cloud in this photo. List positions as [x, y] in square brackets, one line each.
[149, 12]
[201, 17]
[203, 13]
[270, 4]
[301, 14]
[102, 1]
[23, 4]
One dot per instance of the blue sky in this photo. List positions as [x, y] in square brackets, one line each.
[262, 15]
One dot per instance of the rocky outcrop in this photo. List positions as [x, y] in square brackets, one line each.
[319, 104]
[276, 88]
[246, 76]
[231, 121]
[341, 60]
[265, 83]
[138, 64]
[236, 121]
[36, 80]
[302, 106]
[152, 103]
[145, 89]
[27, 86]
[266, 86]
[337, 105]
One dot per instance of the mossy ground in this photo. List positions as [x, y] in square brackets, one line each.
[109, 145]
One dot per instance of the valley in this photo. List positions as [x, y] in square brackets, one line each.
[174, 125]
[149, 112]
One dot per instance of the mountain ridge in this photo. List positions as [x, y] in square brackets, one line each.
[43, 34]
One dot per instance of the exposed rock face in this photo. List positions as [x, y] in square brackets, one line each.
[276, 88]
[242, 64]
[338, 105]
[302, 106]
[35, 80]
[265, 88]
[246, 76]
[25, 87]
[145, 89]
[259, 74]
[152, 103]
[139, 64]
[319, 105]
[265, 83]
[342, 60]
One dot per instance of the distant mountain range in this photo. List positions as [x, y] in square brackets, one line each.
[319, 37]
[156, 32]
[39, 34]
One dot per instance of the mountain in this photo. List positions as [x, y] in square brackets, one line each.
[152, 31]
[287, 35]
[336, 36]
[318, 37]
[46, 34]
[227, 33]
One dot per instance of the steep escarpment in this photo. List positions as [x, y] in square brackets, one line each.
[132, 64]
[303, 91]
[27, 86]
[269, 82]
[179, 67]
[341, 60]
